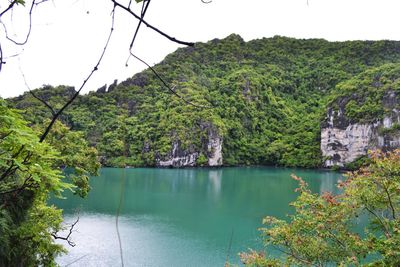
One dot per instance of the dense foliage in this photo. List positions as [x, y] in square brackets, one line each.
[29, 171]
[370, 95]
[266, 98]
[322, 230]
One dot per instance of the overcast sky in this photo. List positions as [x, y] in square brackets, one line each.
[68, 35]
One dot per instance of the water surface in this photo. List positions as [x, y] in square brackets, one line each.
[180, 217]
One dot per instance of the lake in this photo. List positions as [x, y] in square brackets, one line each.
[180, 217]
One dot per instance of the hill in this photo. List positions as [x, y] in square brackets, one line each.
[262, 102]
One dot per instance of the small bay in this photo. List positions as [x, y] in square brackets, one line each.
[180, 217]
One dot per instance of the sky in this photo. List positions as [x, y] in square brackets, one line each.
[68, 36]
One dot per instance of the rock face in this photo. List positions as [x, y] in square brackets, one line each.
[343, 141]
[212, 148]
[179, 158]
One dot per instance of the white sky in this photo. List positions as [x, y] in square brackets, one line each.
[69, 35]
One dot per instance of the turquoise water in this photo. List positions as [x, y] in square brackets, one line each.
[180, 217]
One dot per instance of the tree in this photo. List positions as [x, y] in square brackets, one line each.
[30, 171]
[322, 229]
[31, 163]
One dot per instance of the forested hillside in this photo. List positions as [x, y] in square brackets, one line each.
[263, 102]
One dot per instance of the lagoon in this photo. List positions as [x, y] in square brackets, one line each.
[180, 217]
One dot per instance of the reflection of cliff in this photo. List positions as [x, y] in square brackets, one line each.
[215, 180]
[329, 183]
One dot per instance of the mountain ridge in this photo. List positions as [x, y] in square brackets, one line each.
[269, 98]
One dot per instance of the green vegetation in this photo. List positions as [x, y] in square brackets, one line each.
[358, 163]
[367, 97]
[395, 128]
[267, 99]
[30, 171]
[322, 232]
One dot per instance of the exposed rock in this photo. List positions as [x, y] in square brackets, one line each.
[112, 86]
[343, 141]
[179, 157]
[102, 89]
[342, 146]
[212, 148]
[139, 79]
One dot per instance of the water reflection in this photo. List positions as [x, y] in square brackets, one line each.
[329, 183]
[171, 217]
[215, 179]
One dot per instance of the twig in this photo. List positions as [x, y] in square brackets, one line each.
[67, 238]
[144, 9]
[121, 197]
[8, 8]
[44, 102]
[75, 261]
[387, 233]
[96, 67]
[34, 95]
[173, 39]
[166, 84]
[1, 58]
[29, 29]
[229, 248]
[40, 2]
[390, 200]
[291, 253]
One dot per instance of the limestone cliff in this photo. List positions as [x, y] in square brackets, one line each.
[344, 140]
[211, 148]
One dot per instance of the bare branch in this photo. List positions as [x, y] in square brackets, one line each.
[34, 95]
[68, 237]
[75, 261]
[96, 67]
[167, 86]
[173, 39]
[40, 2]
[8, 8]
[144, 9]
[1, 58]
[29, 29]
[44, 102]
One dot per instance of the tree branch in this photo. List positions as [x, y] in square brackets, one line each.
[8, 8]
[12, 165]
[1, 58]
[29, 30]
[390, 201]
[44, 102]
[67, 238]
[292, 254]
[144, 9]
[173, 39]
[96, 67]
[387, 233]
[167, 86]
